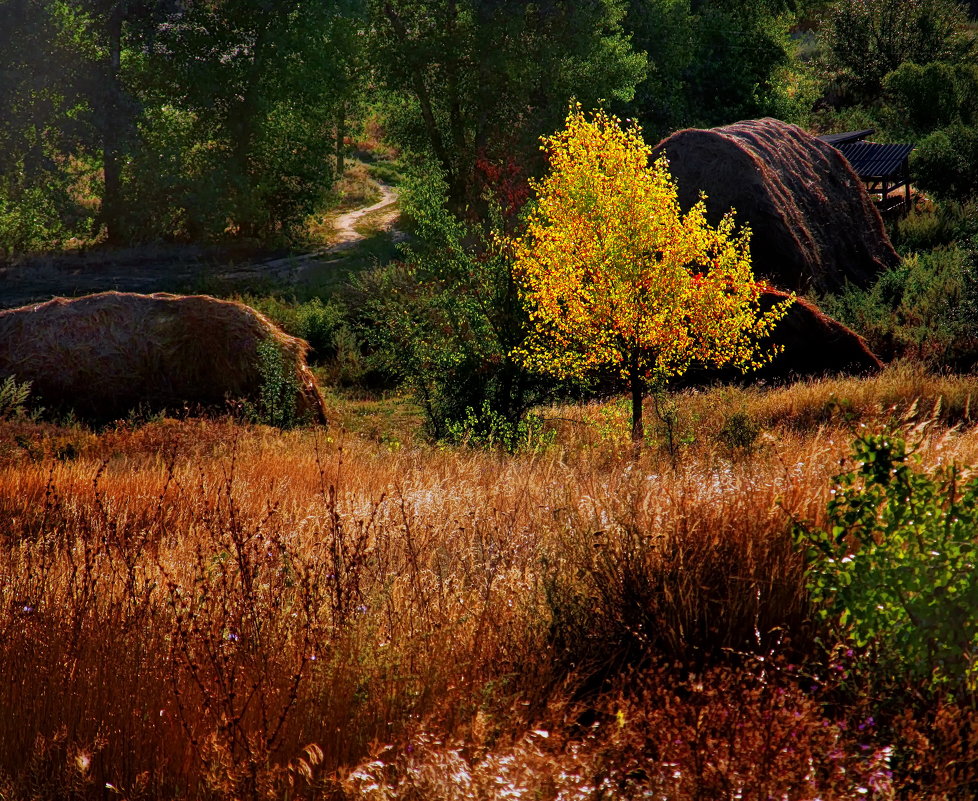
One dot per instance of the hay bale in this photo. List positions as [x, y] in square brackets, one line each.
[814, 344]
[106, 354]
[814, 226]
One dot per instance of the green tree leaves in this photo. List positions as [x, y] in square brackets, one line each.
[868, 39]
[471, 78]
[894, 565]
[445, 323]
[172, 120]
[710, 63]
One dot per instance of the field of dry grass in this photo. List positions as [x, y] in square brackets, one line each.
[207, 610]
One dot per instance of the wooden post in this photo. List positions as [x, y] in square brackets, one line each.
[906, 178]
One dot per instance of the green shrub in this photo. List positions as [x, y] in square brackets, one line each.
[385, 172]
[278, 396]
[445, 323]
[893, 568]
[316, 322]
[925, 308]
[921, 229]
[13, 398]
[932, 226]
[175, 180]
[486, 428]
[29, 219]
[945, 163]
[922, 98]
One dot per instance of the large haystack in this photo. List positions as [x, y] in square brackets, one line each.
[104, 355]
[814, 226]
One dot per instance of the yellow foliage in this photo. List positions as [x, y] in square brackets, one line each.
[615, 275]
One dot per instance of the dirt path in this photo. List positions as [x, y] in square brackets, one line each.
[182, 268]
[345, 224]
[290, 269]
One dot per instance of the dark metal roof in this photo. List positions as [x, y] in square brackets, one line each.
[873, 160]
[837, 139]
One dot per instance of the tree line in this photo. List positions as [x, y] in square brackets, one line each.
[201, 120]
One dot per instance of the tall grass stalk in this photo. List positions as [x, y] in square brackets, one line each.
[206, 610]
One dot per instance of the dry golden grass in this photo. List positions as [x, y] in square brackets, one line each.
[201, 609]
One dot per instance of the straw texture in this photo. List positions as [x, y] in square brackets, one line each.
[106, 354]
[814, 225]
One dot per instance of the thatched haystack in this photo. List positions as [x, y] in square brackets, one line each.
[104, 355]
[814, 226]
[814, 344]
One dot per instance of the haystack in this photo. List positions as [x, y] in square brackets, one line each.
[814, 226]
[104, 355]
[814, 344]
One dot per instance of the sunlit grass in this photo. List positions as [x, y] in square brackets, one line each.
[187, 606]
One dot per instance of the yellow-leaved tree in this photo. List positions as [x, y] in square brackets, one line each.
[614, 275]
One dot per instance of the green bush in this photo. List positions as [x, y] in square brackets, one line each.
[740, 432]
[13, 398]
[921, 99]
[30, 218]
[921, 229]
[893, 568]
[278, 395]
[933, 226]
[444, 324]
[385, 172]
[174, 183]
[316, 322]
[489, 429]
[925, 308]
[945, 163]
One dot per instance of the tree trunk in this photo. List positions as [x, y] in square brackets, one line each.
[243, 127]
[456, 122]
[638, 397]
[111, 211]
[425, 101]
[340, 137]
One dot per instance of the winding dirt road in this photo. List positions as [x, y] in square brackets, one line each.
[345, 224]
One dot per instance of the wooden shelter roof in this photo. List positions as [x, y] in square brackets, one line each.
[837, 139]
[874, 161]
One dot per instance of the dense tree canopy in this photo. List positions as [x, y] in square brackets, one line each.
[134, 120]
[712, 62]
[257, 88]
[868, 39]
[182, 119]
[471, 78]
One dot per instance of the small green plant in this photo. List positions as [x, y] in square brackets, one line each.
[740, 432]
[13, 398]
[277, 403]
[490, 429]
[613, 419]
[893, 569]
